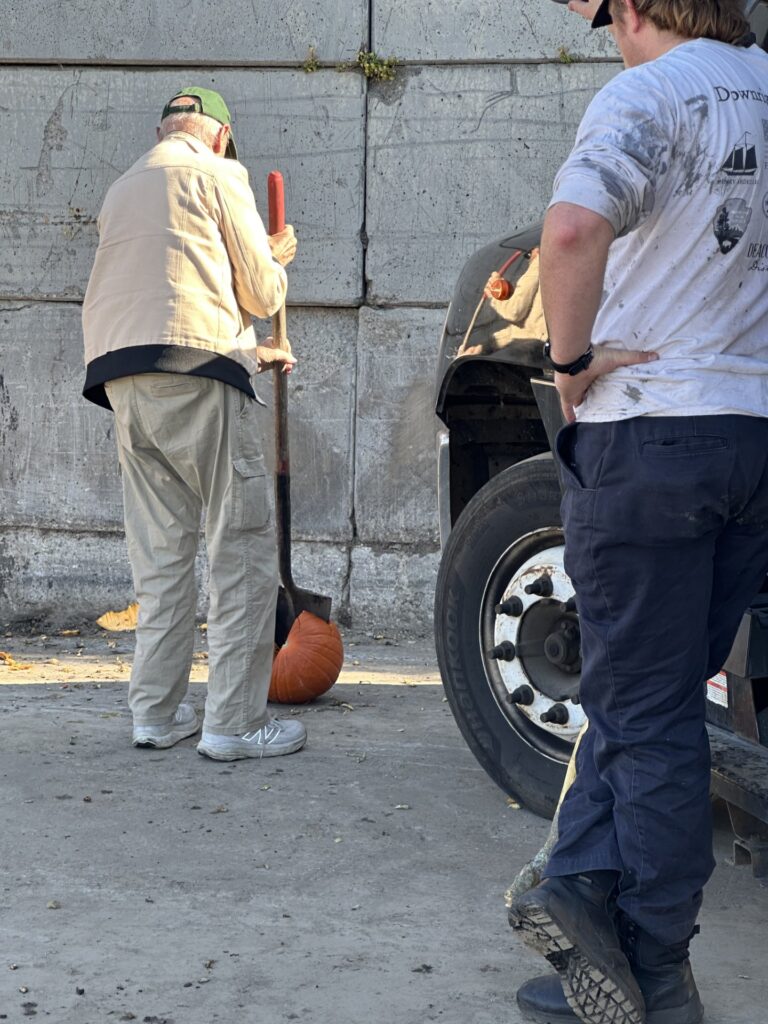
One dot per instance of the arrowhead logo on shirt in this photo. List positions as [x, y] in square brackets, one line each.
[730, 224]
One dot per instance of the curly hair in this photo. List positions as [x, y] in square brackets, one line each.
[723, 20]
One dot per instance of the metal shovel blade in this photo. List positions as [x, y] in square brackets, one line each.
[288, 610]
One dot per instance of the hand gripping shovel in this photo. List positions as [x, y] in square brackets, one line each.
[292, 600]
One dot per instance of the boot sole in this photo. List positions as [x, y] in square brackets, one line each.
[593, 995]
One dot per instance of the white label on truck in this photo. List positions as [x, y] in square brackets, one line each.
[717, 689]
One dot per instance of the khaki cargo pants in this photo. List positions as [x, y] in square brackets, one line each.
[188, 444]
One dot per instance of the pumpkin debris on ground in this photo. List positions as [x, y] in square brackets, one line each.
[10, 662]
[121, 621]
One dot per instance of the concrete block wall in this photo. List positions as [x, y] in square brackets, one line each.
[391, 186]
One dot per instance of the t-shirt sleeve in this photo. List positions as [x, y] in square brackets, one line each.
[622, 152]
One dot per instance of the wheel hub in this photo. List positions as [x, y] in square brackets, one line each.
[563, 648]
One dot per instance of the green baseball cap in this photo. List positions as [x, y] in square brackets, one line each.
[206, 102]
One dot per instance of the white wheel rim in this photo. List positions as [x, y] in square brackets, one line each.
[507, 628]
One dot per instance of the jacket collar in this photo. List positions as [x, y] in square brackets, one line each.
[192, 141]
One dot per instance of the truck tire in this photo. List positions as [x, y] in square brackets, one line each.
[497, 640]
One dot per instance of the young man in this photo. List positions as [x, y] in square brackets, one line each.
[653, 272]
[183, 263]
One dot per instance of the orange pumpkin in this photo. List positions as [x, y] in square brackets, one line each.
[308, 663]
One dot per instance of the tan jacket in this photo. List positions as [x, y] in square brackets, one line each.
[523, 310]
[183, 262]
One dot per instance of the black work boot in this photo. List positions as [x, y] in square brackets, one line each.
[662, 972]
[570, 921]
[664, 975]
[542, 1000]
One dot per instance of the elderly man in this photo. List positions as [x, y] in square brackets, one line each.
[183, 263]
[656, 241]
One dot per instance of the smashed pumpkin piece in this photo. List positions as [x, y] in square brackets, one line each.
[10, 662]
[117, 622]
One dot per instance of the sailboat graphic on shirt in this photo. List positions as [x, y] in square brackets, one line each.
[742, 160]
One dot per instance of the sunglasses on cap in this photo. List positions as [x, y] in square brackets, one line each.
[602, 16]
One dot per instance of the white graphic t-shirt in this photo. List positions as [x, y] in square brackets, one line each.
[674, 154]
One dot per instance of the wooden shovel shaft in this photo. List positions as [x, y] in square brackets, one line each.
[294, 598]
[276, 205]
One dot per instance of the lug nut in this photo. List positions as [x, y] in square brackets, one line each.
[504, 652]
[522, 695]
[512, 606]
[542, 587]
[558, 714]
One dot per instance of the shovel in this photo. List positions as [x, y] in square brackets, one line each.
[291, 600]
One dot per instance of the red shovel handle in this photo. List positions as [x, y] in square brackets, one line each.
[276, 202]
[276, 207]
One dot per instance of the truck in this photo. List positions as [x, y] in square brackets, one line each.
[506, 622]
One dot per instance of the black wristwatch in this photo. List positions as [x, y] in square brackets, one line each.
[574, 368]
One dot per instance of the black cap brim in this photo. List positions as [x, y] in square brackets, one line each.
[603, 16]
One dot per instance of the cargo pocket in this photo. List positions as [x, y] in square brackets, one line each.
[250, 501]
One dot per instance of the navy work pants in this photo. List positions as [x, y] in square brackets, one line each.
[666, 530]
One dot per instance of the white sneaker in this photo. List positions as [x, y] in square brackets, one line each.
[185, 723]
[277, 736]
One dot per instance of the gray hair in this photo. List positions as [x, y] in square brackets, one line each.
[200, 125]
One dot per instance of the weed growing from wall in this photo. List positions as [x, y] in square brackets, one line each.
[311, 64]
[376, 68]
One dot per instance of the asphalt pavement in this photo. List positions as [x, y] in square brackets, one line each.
[359, 881]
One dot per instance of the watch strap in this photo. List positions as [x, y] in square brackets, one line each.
[574, 368]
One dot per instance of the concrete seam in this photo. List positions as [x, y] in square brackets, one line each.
[436, 62]
[366, 112]
[346, 602]
[90, 530]
[37, 300]
[347, 582]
